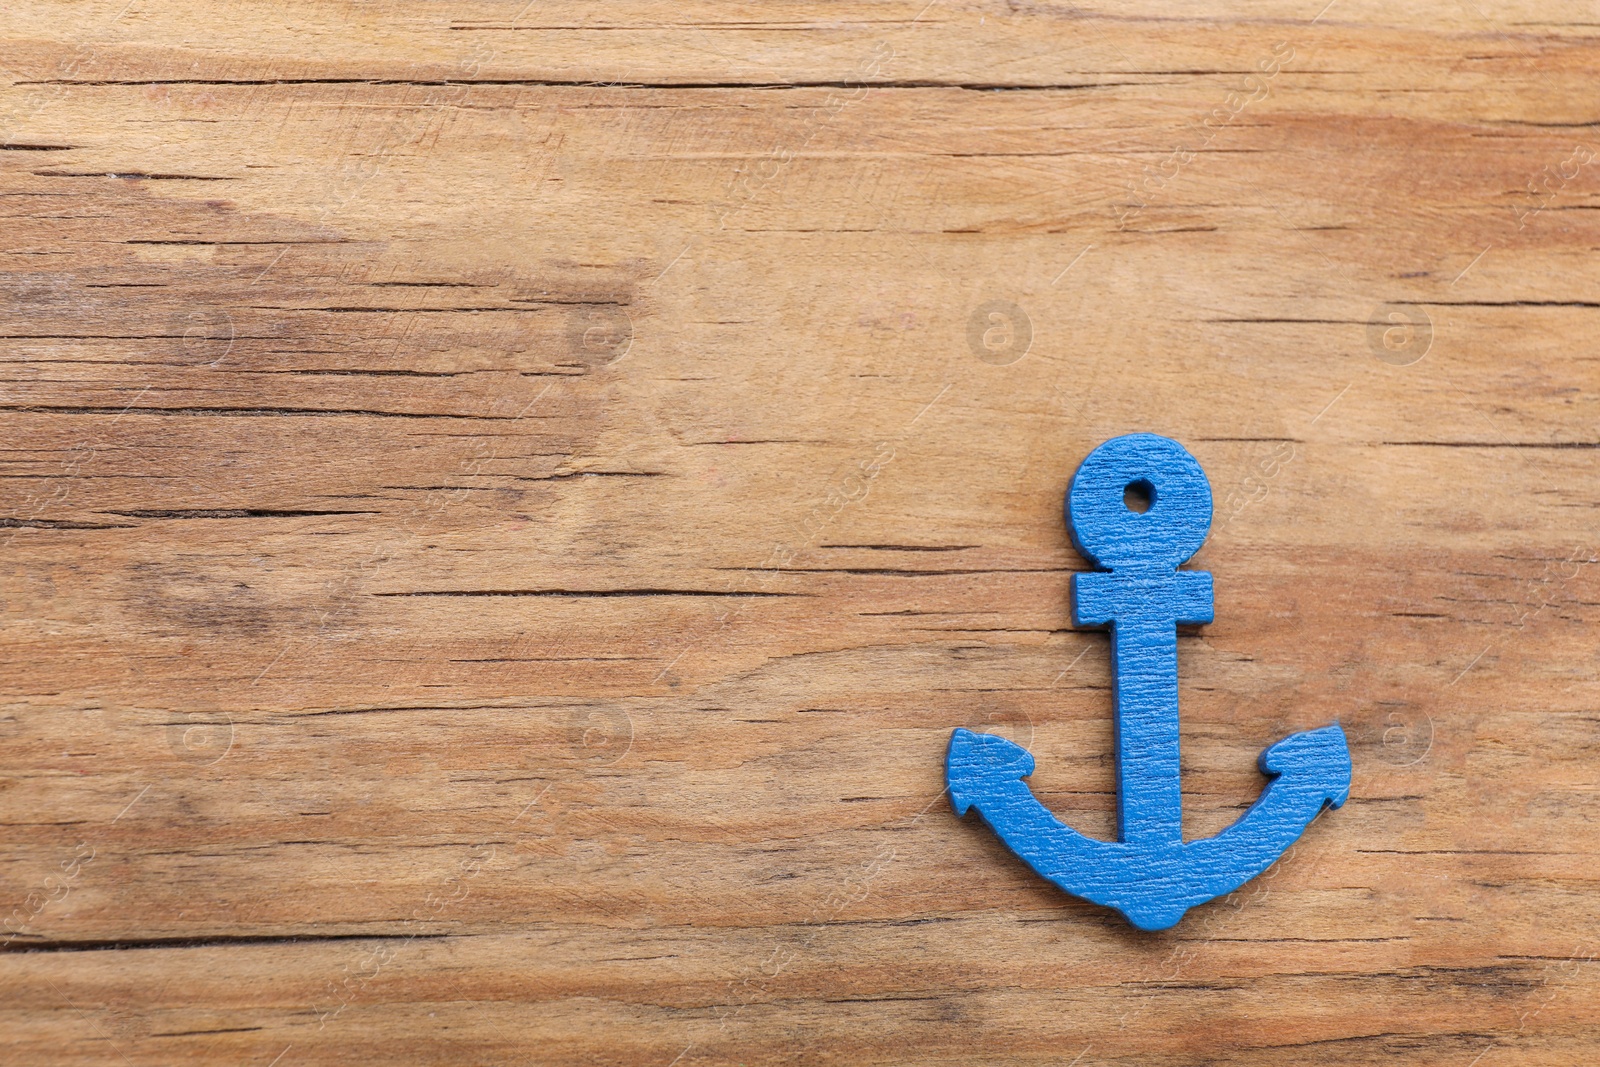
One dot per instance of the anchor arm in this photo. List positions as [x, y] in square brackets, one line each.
[985, 771]
[1309, 770]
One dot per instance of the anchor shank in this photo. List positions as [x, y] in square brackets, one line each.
[1144, 608]
[1149, 796]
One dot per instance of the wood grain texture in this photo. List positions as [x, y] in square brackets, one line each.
[504, 504]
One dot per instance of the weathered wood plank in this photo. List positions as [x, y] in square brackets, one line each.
[504, 505]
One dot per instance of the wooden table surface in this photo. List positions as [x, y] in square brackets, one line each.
[504, 504]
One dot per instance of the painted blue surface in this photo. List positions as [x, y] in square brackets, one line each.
[1149, 874]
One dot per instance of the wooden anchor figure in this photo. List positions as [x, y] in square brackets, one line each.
[1149, 874]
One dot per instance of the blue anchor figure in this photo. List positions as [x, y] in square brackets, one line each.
[1149, 874]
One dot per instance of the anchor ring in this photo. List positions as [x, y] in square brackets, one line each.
[1110, 534]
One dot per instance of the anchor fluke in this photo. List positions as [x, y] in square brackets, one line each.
[1320, 758]
[977, 764]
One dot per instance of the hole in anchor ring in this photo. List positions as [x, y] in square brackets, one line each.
[1138, 496]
